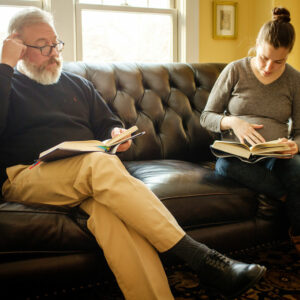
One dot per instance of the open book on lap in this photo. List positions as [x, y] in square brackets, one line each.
[250, 154]
[71, 148]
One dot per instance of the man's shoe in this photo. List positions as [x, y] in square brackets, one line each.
[227, 276]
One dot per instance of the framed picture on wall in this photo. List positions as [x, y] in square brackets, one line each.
[224, 20]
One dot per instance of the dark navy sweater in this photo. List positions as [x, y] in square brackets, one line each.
[35, 117]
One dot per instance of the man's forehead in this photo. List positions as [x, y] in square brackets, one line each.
[39, 32]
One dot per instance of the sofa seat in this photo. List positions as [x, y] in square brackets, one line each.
[205, 204]
[28, 229]
[195, 195]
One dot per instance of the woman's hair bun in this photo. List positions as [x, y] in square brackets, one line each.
[281, 14]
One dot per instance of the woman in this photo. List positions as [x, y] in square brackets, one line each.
[257, 99]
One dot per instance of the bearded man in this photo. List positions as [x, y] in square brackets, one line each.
[41, 106]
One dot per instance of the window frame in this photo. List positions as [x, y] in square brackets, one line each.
[37, 3]
[65, 24]
[172, 12]
[19, 3]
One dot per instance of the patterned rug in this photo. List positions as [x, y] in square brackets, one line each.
[282, 280]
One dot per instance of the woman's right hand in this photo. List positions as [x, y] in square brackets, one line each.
[13, 49]
[244, 130]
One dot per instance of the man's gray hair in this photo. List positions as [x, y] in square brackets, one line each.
[29, 16]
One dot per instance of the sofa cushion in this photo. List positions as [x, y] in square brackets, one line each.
[39, 229]
[194, 194]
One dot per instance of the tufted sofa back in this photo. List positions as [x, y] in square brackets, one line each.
[165, 100]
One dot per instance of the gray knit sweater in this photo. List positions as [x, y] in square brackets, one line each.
[238, 92]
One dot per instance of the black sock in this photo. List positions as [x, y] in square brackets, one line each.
[190, 251]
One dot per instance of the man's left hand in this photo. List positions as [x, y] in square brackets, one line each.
[122, 147]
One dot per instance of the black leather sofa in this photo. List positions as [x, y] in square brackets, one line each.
[48, 247]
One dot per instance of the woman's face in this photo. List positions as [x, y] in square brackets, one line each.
[270, 61]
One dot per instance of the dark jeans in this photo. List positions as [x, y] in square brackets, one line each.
[272, 177]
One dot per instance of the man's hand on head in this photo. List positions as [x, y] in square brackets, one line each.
[125, 146]
[13, 50]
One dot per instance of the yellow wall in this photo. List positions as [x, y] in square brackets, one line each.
[252, 14]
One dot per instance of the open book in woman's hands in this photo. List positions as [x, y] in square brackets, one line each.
[71, 148]
[250, 153]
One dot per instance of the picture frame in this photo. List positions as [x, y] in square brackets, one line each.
[224, 20]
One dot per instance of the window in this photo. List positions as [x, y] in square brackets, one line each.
[8, 9]
[87, 25]
[138, 3]
[132, 30]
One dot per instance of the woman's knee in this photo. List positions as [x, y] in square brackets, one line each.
[223, 167]
[234, 168]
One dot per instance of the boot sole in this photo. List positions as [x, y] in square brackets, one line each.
[248, 286]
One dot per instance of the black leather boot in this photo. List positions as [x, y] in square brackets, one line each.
[227, 276]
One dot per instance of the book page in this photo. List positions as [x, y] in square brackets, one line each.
[269, 147]
[233, 148]
[75, 145]
[242, 151]
[121, 136]
[71, 148]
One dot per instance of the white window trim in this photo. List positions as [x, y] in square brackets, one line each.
[65, 18]
[188, 30]
[37, 3]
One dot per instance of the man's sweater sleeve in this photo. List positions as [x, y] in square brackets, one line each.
[102, 118]
[6, 73]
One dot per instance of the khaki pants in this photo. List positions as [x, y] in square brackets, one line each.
[126, 218]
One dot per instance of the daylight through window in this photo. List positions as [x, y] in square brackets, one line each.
[125, 32]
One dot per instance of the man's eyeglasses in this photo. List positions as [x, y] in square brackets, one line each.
[46, 50]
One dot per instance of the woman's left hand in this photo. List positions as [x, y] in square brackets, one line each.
[122, 147]
[293, 146]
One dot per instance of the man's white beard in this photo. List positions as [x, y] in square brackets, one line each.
[41, 74]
